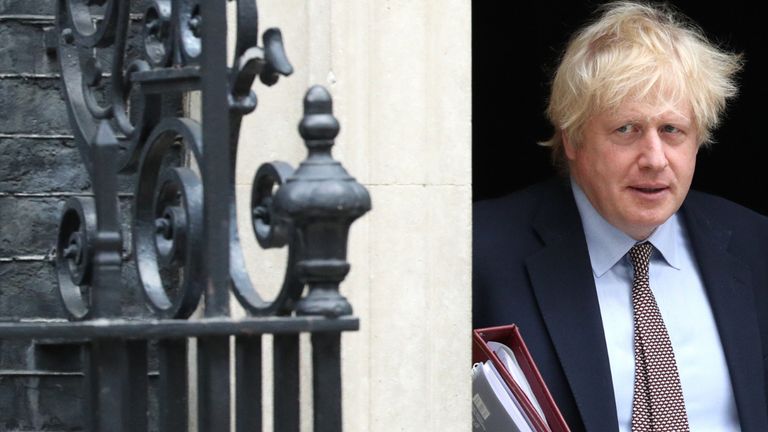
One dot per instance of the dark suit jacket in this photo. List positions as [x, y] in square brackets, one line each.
[531, 267]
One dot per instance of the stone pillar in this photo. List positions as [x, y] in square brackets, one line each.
[400, 75]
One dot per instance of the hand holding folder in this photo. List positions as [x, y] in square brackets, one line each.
[508, 393]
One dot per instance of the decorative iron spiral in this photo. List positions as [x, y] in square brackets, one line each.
[83, 76]
[167, 225]
[271, 232]
[74, 255]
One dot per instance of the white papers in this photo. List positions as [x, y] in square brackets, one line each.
[494, 406]
[509, 361]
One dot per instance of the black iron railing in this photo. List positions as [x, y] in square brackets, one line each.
[185, 241]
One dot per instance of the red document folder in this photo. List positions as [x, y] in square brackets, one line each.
[509, 335]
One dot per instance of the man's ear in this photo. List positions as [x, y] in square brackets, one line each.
[570, 149]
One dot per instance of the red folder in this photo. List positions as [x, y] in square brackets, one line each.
[509, 335]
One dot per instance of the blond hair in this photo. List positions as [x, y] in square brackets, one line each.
[636, 51]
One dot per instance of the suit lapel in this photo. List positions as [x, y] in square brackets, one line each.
[727, 281]
[564, 287]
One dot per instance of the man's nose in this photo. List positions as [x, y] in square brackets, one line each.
[652, 155]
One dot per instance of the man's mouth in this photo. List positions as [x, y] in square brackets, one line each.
[649, 189]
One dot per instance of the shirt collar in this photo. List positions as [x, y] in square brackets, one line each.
[607, 244]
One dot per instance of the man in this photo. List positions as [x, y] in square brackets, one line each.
[636, 94]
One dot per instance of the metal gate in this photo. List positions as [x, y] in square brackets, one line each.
[122, 98]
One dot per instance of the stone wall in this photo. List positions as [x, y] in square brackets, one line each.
[399, 72]
[40, 168]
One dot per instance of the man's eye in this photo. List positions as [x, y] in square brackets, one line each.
[625, 129]
[670, 129]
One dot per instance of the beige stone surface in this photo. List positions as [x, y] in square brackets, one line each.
[399, 72]
[419, 314]
[270, 132]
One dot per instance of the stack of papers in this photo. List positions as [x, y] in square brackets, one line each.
[494, 407]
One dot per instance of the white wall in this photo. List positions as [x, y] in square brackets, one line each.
[399, 72]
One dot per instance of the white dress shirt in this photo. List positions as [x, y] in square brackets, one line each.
[679, 291]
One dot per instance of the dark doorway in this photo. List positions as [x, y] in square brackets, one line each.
[509, 101]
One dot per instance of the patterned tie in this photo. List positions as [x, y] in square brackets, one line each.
[657, 404]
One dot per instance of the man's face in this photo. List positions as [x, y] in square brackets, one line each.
[635, 164]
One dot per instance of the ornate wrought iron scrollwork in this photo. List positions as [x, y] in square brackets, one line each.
[88, 249]
[167, 222]
[308, 210]
[185, 237]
